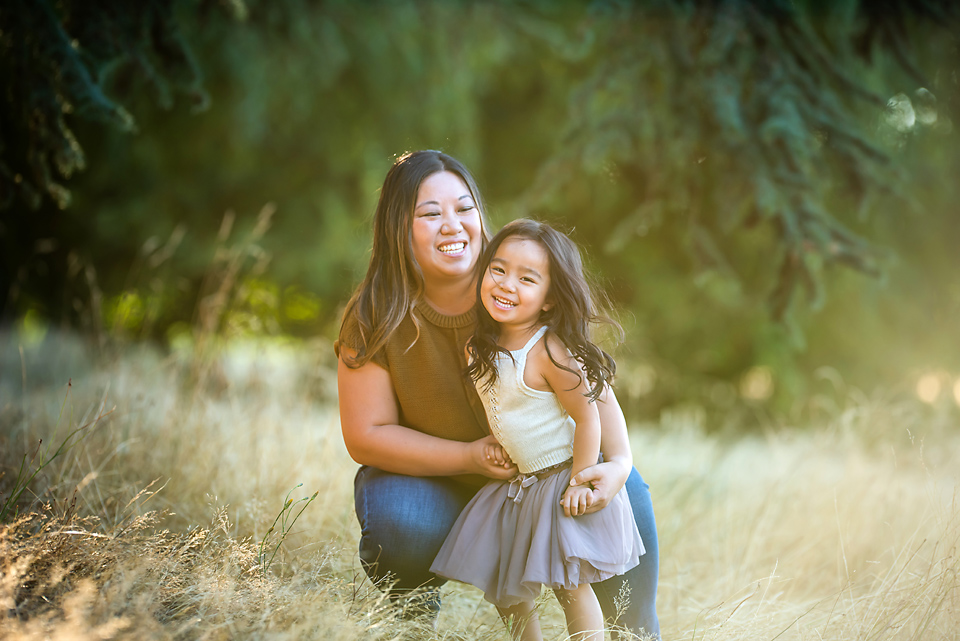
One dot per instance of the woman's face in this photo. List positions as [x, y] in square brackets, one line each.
[447, 232]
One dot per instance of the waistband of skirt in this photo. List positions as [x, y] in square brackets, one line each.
[552, 469]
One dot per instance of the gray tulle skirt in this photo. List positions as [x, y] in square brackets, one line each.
[510, 548]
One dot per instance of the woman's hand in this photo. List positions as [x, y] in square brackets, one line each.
[486, 461]
[576, 500]
[606, 479]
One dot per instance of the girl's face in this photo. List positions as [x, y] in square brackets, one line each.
[516, 284]
[446, 230]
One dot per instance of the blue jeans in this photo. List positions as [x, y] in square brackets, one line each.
[405, 519]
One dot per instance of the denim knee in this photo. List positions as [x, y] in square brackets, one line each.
[403, 522]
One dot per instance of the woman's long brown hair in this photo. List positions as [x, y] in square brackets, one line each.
[570, 318]
[394, 282]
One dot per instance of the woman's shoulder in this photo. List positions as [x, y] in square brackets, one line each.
[350, 334]
[354, 337]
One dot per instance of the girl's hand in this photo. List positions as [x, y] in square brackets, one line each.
[495, 452]
[606, 478]
[481, 463]
[576, 500]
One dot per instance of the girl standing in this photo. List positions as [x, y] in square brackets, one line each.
[539, 376]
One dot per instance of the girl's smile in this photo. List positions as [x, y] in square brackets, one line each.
[516, 285]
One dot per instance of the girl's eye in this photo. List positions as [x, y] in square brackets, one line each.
[496, 270]
[526, 279]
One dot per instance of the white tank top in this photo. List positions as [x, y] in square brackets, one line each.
[530, 424]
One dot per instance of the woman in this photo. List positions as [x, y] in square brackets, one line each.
[409, 417]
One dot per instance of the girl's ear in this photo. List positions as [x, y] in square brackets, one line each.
[546, 306]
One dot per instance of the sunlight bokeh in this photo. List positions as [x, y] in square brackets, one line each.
[757, 383]
[929, 387]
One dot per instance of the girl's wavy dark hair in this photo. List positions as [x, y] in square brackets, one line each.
[570, 318]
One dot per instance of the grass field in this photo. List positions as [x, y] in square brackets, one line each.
[156, 523]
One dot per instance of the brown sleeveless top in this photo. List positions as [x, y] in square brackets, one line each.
[426, 368]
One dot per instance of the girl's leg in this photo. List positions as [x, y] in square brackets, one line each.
[522, 621]
[630, 600]
[403, 522]
[582, 611]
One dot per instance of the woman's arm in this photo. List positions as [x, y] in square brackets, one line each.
[608, 477]
[368, 419]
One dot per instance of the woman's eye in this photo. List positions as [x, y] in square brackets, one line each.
[464, 210]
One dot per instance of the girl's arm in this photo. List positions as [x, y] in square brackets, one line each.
[608, 477]
[570, 388]
[369, 416]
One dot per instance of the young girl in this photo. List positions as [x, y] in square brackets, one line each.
[538, 375]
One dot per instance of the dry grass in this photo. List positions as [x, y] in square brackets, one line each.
[150, 527]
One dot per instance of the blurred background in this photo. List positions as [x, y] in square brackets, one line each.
[767, 190]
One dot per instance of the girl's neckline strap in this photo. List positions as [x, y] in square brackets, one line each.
[530, 343]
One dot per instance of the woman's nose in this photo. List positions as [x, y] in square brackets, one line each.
[451, 224]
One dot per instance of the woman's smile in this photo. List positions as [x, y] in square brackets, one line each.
[455, 248]
[447, 231]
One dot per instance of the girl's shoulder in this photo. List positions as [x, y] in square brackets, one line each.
[558, 368]
[541, 357]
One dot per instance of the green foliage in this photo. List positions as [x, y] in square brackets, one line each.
[286, 518]
[57, 59]
[723, 163]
